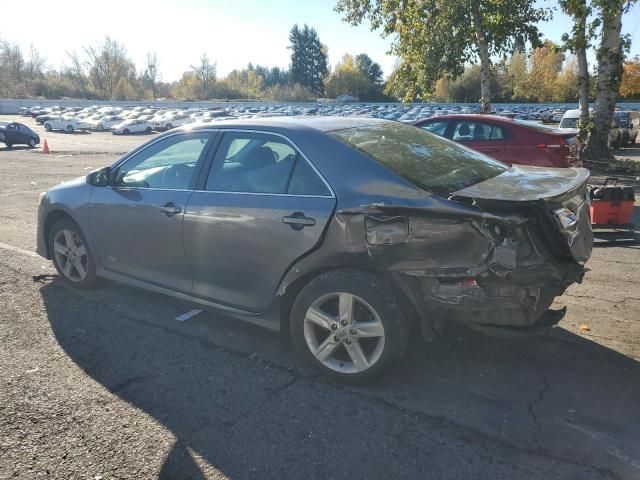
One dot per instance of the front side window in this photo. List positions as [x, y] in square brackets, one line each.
[434, 164]
[167, 164]
[261, 163]
[439, 128]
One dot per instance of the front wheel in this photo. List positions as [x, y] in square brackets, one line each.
[126, 131]
[71, 255]
[32, 142]
[47, 127]
[70, 128]
[349, 325]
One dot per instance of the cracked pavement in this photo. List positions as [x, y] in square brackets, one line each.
[106, 382]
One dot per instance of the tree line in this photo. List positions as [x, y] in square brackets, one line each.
[106, 72]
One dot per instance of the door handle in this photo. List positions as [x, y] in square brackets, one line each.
[169, 209]
[298, 221]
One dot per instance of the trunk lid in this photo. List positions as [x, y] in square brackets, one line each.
[558, 195]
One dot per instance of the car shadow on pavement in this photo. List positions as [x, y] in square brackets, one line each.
[235, 395]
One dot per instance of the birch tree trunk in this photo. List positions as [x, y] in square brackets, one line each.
[609, 56]
[485, 59]
[583, 68]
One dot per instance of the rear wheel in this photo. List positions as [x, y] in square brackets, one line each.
[70, 128]
[71, 255]
[47, 127]
[100, 127]
[349, 325]
[32, 142]
[126, 131]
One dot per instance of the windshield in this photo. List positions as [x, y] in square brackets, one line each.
[428, 161]
[568, 122]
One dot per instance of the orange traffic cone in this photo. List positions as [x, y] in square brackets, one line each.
[45, 147]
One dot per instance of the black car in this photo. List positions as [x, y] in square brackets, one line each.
[18, 134]
[344, 232]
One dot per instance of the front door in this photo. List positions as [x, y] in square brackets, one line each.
[263, 206]
[136, 223]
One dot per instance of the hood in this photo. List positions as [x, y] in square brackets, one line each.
[525, 184]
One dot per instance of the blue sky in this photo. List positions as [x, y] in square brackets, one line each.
[232, 32]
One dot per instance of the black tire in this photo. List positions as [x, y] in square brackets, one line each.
[126, 131]
[32, 143]
[9, 145]
[378, 294]
[2, 137]
[90, 280]
[100, 128]
[47, 127]
[169, 126]
[148, 130]
[70, 128]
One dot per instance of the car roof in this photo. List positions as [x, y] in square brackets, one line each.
[470, 116]
[319, 123]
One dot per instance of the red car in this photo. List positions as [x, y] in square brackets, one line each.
[508, 140]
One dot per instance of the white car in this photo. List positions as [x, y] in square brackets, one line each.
[167, 123]
[105, 122]
[68, 124]
[132, 126]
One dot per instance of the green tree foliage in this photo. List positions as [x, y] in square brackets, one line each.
[371, 69]
[348, 78]
[545, 75]
[439, 37]
[308, 59]
[358, 76]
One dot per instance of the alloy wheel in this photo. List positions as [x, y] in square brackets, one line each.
[344, 333]
[71, 255]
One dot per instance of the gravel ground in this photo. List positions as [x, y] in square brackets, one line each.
[106, 384]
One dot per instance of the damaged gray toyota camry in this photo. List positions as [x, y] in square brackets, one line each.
[350, 234]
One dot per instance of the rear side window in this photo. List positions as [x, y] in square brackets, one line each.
[429, 162]
[305, 181]
[477, 132]
[249, 162]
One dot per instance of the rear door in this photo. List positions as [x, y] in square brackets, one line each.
[487, 138]
[260, 207]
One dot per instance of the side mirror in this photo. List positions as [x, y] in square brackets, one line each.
[100, 178]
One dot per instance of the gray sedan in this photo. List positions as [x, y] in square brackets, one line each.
[351, 234]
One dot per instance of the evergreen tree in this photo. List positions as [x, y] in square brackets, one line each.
[371, 69]
[308, 59]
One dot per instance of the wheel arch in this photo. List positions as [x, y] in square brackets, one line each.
[52, 217]
[288, 292]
